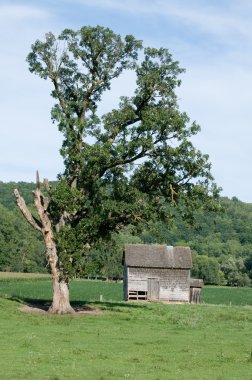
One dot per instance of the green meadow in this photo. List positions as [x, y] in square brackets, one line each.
[125, 340]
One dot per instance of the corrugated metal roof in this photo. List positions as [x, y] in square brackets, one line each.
[157, 256]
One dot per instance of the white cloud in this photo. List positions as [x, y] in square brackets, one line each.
[219, 20]
[219, 98]
[27, 139]
[16, 12]
[129, 6]
[215, 20]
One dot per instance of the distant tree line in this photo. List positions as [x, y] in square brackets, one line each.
[221, 242]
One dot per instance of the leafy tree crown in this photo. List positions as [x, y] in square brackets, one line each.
[132, 164]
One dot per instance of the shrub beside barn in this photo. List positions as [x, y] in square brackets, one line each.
[157, 272]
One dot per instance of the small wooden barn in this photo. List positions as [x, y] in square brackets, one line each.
[157, 272]
[196, 285]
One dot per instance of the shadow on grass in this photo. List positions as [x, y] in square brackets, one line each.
[77, 305]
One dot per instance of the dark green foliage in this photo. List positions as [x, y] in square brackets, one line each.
[234, 270]
[21, 249]
[208, 269]
[221, 240]
[7, 198]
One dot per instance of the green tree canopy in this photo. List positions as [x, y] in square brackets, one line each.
[131, 165]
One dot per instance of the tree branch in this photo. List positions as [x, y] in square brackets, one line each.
[86, 101]
[26, 212]
[60, 97]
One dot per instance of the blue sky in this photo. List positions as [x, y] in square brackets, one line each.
[211, 39]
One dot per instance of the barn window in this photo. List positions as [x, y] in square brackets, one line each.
[137, 295]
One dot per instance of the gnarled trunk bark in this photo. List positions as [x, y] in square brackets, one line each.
[60, 304]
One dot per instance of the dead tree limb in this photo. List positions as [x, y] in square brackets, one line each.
[26, 212]
[61, 304]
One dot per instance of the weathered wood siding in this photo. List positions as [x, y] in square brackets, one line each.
[174, 283]
[125, 282]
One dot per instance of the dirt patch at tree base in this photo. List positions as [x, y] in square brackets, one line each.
[84, 310]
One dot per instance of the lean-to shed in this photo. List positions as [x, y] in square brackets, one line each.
[156, 272]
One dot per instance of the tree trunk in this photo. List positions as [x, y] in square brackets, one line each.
[60, 304]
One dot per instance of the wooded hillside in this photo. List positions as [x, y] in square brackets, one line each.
[21, 248]
[221, 242]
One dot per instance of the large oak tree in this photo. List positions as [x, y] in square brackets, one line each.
[128, 166]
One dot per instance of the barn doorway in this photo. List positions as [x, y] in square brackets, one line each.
[153, 288]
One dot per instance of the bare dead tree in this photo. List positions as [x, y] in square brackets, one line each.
[43, 224]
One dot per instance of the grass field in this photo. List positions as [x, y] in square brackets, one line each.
[128, 340]
[19, 275]
[38, 288]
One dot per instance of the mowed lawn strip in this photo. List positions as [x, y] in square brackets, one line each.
[133, 341]
[127, 341]
[20, 275]
[218, 295]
